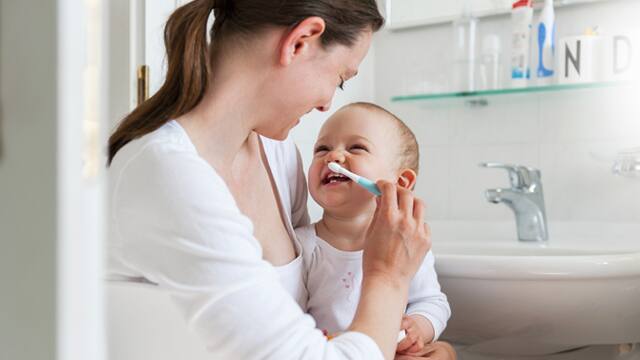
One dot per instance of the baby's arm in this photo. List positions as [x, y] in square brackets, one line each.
[428, 309]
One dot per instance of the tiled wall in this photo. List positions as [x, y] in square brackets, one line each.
[571, 136]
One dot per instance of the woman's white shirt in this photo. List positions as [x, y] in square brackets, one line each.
[286, 168]
[173, 222]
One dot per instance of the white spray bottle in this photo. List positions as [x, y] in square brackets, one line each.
[521, 16]
[546, 44]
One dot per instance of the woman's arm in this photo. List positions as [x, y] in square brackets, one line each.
[397, 241]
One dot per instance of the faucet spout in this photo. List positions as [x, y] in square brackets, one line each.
[525, 198]
[494, 195]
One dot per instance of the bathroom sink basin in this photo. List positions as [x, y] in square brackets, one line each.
[518, 249]
[516, 298]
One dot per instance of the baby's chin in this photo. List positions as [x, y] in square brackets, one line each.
[352, 204]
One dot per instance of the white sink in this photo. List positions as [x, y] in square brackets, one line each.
[514, 298]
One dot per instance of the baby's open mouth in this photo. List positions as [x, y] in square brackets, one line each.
[334, 178]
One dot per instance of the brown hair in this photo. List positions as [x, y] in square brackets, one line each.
[189, 54]
[409, 152]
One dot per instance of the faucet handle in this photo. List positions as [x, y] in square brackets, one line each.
[521, 176]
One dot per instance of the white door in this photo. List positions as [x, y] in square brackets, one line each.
[136, 40]
[81, 178]
[156, 13]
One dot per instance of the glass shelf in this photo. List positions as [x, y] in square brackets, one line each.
[478, 97]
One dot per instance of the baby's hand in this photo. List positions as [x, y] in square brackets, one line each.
[419, 332]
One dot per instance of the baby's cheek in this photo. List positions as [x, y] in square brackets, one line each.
[314, 171]
[313, 177]
[378, 173]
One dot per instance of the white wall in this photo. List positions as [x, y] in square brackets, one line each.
[28, 179]
[562, 134]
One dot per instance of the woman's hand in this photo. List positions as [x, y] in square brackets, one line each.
[397, 239]
[437, 351]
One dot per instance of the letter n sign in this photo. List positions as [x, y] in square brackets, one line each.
[572, 58]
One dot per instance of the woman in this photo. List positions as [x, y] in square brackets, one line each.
[204, 199]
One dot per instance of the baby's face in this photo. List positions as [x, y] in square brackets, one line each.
[361, 141]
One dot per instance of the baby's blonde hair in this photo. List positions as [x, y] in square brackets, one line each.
[409, 152]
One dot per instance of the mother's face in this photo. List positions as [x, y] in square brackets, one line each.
[310, 82]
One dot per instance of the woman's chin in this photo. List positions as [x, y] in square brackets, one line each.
[281, 135]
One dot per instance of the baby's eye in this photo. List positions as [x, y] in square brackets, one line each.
[358, 147]
[320, 149]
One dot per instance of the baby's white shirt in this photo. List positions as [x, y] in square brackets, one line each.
[334, 277]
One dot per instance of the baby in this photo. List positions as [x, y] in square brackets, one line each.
[371, 142]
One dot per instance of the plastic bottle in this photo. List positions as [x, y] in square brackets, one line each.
[464, 51]
[546, 44]
[491, 66]
[521, 16]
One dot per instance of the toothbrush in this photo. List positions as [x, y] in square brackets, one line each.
[362, 181]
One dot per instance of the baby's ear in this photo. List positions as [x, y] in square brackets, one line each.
[407, 179]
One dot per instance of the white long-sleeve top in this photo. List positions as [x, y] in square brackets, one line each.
[173, 222]
[334, 277]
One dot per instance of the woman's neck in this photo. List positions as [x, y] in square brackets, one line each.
[221, 125]
[345, 233]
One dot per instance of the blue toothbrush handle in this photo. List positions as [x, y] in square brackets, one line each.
[369, 185]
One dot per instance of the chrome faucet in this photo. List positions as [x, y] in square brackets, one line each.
[525, 198]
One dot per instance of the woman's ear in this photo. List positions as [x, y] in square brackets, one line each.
[300, 39]
[407, 179]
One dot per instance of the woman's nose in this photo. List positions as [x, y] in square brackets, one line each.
[324, 107]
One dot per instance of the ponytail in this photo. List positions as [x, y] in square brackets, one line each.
[185, 38]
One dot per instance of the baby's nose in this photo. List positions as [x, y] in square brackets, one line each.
[335, 156]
